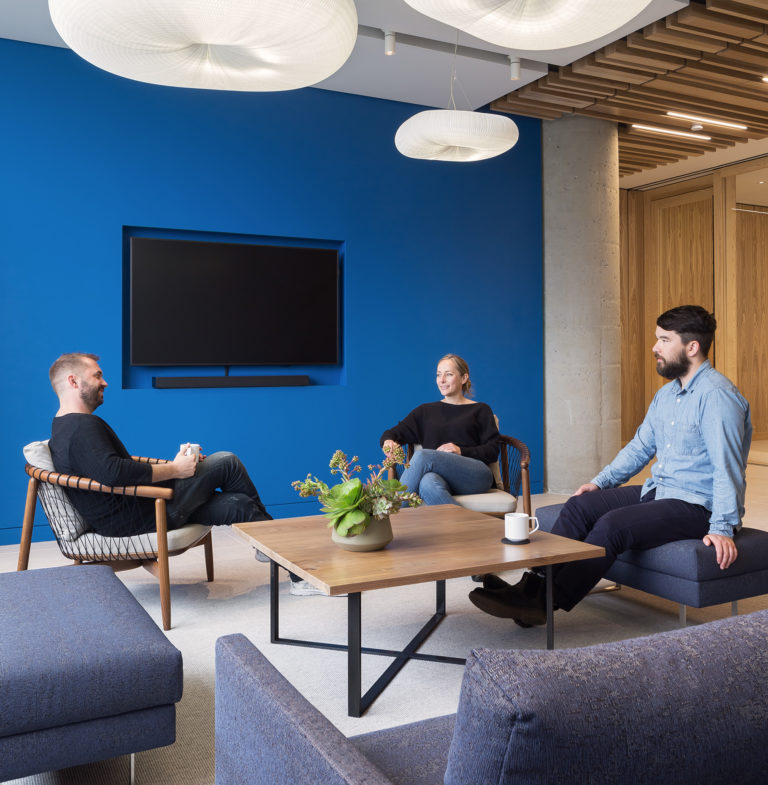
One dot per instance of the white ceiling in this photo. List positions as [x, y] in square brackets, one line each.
[419, 72]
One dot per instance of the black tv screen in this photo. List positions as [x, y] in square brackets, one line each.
[218, 303]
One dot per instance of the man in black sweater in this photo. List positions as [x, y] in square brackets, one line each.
[216, 490]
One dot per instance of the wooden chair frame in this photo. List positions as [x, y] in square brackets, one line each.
[155, 562]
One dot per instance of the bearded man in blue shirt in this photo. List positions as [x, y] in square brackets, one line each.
[699, 429]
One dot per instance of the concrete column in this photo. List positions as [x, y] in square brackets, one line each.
[581, 299]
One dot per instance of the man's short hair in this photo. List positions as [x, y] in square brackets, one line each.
[68, 363]
[691, 323]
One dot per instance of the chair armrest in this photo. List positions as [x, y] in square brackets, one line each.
[525, 462]
[87, 484]
[142, 459]
[267, 732]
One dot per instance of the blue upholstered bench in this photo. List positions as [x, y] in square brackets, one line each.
[85, 673]
[686, 572]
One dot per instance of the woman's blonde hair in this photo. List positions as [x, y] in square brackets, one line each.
[462, 368]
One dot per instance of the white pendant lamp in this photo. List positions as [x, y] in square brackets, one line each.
[533, 25]
[455, 135]
[257, 45]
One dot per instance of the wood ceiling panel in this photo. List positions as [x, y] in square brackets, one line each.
[697, 19]
[620, 55]
[658, 31]
[755, 12]
[588, 66]
[707, 60]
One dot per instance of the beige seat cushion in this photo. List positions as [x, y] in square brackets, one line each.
[96, 547]
[492, 502]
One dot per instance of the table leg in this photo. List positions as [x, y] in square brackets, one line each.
[550, 610]
[274, 610]
[354, 655]
[440, 597]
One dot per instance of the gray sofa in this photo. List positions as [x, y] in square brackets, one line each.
[85, 674]
[681, 707]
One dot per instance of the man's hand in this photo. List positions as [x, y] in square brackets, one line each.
[388, 445]
[181, 466]
[588, 487]
[184, 465]
[725, 549]
[450, 447]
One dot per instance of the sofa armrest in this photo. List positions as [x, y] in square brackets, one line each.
[267, 732]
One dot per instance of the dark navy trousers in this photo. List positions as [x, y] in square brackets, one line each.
[618, 520]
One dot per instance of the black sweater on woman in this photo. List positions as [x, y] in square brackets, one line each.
[471, 427]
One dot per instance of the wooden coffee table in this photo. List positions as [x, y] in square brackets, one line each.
[430, 544]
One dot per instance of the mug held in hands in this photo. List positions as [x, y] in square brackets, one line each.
[190, 449]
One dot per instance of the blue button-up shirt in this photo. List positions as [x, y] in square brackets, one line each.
[700, 436]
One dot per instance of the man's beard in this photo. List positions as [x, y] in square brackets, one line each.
[673, 369]
[93, 397]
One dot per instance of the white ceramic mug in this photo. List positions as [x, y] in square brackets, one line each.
[190, 449]
[517, 527]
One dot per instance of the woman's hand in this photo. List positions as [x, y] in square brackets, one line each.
[450, 447]
[388, 445]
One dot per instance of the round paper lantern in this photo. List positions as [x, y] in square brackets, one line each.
[258, 45]
[533, 24]
[455, 135]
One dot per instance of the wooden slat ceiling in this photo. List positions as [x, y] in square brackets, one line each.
[707, 59]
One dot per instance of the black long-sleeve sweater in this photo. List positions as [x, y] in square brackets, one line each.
[469, 426]
[85, 445]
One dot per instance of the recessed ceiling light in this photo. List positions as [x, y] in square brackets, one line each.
[706, 120]
[765, 78]
[671, 132]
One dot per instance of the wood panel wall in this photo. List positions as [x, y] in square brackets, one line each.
[752, 317]
[667, 260]
[687, 243]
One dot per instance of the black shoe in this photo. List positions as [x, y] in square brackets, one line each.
[511, 603]
[493, 582]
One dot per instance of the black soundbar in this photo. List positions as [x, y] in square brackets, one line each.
[178, 382]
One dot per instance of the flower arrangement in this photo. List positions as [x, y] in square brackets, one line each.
[351, 504]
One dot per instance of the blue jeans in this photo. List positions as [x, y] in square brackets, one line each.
[437, 476]
[219, 493]
[618, 519]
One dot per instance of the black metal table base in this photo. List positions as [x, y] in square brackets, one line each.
[357, 703]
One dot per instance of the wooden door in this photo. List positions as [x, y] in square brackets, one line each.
[678, 265]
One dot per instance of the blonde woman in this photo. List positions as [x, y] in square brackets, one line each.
[458, 435]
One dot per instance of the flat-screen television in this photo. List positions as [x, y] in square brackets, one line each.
[220, 303]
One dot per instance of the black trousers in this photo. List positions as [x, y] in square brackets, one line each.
[618, 520]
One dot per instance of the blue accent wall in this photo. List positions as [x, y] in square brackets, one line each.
[439, 257]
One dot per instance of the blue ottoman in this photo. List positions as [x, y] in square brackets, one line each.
[85, 674]
[686, 571]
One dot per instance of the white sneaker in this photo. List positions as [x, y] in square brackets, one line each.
[305, 589]
[261, 556]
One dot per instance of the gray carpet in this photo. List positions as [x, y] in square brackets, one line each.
[238, 601]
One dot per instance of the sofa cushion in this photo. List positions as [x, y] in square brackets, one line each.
[677, 707]
[412, 754]
[77, 646]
